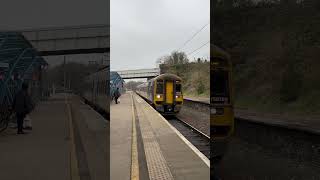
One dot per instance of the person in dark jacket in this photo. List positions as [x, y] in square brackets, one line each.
[116, 95]
[22, 106]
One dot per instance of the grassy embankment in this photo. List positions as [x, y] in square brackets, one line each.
[195, 76]
[275, 52]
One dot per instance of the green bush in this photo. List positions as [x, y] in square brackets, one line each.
[200, 87]
[195, 76]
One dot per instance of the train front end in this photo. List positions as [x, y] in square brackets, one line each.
[168, 97]
[221, 100]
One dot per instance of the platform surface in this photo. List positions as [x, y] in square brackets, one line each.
[45, 152]
[120, 138]
[93, 147]
[163, 152]
[309, 122]
[200, 99]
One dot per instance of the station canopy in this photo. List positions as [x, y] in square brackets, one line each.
[19, 62]
[115, 78]
[115, 81]
[18, 59]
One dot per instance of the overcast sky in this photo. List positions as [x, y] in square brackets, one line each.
[25, 14]
[141, 30]
[33, 14]
[144, 30]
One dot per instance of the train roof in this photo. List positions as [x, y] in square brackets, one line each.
[168, 76]
[162, 76]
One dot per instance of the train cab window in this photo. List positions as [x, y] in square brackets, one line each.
[178, 87]
[220, 85]
[149, 85]
[159, 87]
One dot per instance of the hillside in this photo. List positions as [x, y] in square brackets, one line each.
[195, 76]
[275, 50]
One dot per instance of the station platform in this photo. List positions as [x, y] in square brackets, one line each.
[309, 124]
[145, 146]
[68, 141]
[199, 99]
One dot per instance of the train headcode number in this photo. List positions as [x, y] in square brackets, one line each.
[219, 99]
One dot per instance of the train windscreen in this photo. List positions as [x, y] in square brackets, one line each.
[178, 87]
[159, 87]
[219, 80]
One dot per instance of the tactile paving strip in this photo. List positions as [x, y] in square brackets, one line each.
[157, 165]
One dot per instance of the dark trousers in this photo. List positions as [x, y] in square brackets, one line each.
[20, 119]
[116, 99]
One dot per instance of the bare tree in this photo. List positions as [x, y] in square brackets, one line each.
[175, 58]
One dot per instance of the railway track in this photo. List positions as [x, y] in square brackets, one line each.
[200, 140]
[196, 137]
[266, 143]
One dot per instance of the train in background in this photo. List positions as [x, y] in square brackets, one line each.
[95, 90]
[221, 100]
[164, 93]
[98, 89]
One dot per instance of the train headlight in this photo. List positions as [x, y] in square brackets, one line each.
[177, 96]
[158, 96]
[217, 111]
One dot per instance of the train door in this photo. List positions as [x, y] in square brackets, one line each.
[169, 92]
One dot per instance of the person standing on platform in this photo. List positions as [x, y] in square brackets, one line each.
[22, 106]
[116, 95]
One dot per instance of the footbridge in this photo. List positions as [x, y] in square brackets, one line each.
[22, 51]
[139, 73]
[69, 40]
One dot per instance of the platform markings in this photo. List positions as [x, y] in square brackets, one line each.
[134, 147]
[195, 150]
[157, 165]
[187, 142]
[74, 174]
[139, 100]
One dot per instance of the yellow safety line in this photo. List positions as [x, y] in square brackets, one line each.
[74, 174]
[187, 142]
[134, 147]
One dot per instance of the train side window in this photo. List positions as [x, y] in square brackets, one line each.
[149, 85]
